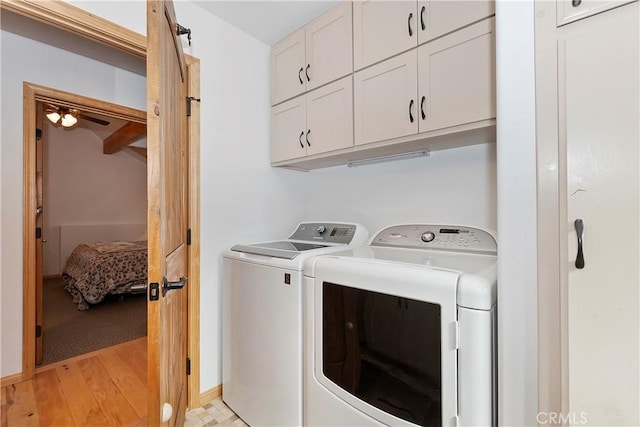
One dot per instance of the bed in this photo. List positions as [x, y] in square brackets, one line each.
[95, 270]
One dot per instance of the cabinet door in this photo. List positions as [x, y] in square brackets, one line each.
[382, 29]
[287, 68]
[437, 17]
[330, 117]
[385, 104]
[570, 10]
[329, 49]
[288, 126]
[456, 78]
[598, 121]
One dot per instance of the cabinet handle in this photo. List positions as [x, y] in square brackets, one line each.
[576, 3]
[300, 75]
[307, 137]
[300, 139]
[409, 24]
[424, 116]
[579, 224]
[306, 72]
[411, 111]
[424, 8]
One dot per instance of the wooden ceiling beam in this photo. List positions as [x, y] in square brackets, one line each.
[124, 136]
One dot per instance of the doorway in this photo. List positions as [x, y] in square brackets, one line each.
[91, 187]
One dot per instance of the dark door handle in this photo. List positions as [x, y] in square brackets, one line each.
[424, 116]
[576, 3]
[422, 17]
[410, 111]
[300, 139]
[300, 75]
[306, 72]
[579, 224]
[168, 286]
[307, 137]
[409, 24]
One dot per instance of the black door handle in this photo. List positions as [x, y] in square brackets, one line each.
[168, 286]
[410, 111]
[409, 24]
[300, 139]
[307, 137]
[424, 116]
[422, 17]
[579, 224]
[306, 72]
[300, 75]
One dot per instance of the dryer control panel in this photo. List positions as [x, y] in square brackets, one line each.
[442, 237]
[325, 232]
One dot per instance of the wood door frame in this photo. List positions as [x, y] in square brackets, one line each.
[84, 24]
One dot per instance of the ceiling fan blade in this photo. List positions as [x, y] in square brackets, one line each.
[93, 119]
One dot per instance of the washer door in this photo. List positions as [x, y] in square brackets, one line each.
[385, 339]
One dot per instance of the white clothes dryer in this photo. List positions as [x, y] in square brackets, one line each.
[262, 321]
[403, 331]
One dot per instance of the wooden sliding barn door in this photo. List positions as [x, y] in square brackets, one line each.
[167, 217]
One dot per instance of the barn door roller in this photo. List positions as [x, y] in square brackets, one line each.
[180, 31]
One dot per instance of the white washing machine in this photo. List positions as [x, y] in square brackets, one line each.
[403, 331]
[262, 321]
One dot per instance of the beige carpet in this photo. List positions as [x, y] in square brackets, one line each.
[69, 332]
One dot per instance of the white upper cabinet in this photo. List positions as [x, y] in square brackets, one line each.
[314, 55]
[330, 117]
[385, 99]
[571, 10]
[314, 123]
[456, 78]
[288, 128]
[382, 29]
[287, 67]
[436, 18]
[329, 46]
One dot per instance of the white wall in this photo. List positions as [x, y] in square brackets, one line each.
[23, 59]
[85, 186]
[455, 186]
[517, 272]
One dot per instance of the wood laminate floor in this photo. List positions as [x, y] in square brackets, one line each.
[104, 388]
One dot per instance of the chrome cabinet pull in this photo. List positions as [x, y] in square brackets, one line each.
[579, 224]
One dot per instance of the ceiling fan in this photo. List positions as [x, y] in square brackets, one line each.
[68, 117]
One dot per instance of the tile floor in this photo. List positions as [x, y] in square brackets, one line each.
[214, 413]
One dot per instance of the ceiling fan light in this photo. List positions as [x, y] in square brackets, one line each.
[53, 116]
[68, 120]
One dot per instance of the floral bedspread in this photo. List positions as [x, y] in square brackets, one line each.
[95, 270]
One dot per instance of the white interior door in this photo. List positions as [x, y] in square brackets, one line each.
[598, 88]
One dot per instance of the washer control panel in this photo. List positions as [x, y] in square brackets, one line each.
[324, 232]
[442, 237]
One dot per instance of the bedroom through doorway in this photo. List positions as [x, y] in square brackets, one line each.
[91, 214]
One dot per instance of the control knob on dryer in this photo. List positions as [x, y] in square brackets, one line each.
[321, 229]
[427, 236]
